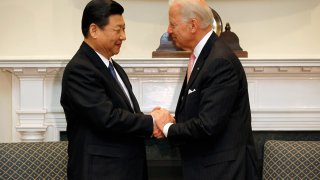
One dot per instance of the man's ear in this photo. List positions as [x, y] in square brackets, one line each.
[194, 25]
[93, 30]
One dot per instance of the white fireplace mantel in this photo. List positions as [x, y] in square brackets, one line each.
[284, 93]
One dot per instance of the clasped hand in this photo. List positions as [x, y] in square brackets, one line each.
[161, 118]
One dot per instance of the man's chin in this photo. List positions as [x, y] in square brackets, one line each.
[116, 52]
[177, 46]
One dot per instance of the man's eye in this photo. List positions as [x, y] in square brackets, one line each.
[118, 30]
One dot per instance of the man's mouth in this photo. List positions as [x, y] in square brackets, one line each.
[118, 44]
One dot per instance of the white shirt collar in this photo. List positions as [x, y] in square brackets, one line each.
[104, 59]
[197, 50]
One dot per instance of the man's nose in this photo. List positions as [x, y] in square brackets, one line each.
[123, 35]
[169, 30]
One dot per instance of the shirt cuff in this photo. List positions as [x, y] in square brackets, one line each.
[153, 120]
[166, 129]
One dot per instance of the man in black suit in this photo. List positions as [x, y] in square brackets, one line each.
[105, 127]
[213, 128]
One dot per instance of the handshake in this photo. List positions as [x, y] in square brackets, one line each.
[161, 117]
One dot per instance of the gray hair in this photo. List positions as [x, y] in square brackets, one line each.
[192, 9]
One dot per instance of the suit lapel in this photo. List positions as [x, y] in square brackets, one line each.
[196, 69]
[126, 82]
[98, 63]
[182, 94]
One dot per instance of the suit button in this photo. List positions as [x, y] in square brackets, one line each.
[182, 98]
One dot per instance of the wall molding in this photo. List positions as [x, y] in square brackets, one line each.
[284, 93]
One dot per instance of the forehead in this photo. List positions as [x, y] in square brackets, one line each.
[116, 20]
[174, 14]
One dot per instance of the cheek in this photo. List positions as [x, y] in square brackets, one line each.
[176, 31]
[180, 31]
[110, 42]
[181, 35]
[107, 43]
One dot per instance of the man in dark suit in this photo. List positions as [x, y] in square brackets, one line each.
[105, 127]
[213, 128]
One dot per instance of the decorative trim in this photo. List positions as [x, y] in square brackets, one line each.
[167, 65]
[156, 62]
[40, 117]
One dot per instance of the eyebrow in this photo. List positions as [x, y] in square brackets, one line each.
[118, 26]
[121, 25]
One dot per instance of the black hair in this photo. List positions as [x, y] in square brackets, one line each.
[98, 12]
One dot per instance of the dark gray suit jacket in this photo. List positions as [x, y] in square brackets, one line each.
[106, 136]
[213, 118]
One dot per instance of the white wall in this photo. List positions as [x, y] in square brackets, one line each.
[275, 29]
[5, 107]
[51, 28]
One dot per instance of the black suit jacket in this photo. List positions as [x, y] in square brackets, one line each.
[213, 118]
[106, 136]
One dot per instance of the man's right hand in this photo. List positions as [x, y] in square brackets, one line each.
[162, 117]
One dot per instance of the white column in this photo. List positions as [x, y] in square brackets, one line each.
[28, 101]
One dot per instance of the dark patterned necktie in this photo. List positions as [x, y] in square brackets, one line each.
[114, 75]
[113, 72]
